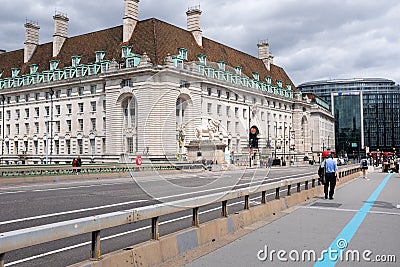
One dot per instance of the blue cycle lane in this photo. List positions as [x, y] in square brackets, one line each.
[360, 227]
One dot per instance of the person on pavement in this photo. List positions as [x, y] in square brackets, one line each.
[331, 175]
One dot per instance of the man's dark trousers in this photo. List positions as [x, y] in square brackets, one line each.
[330, 183]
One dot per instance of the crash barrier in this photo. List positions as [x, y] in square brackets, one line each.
[168, 247]
[23, 171]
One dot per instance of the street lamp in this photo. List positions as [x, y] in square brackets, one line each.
[2, 129]
[284, 141]
[181, 138]
[51, 122]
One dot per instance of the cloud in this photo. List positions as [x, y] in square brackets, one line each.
[310, 39]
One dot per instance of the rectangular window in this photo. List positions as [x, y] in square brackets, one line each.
[17, 128]
[228, 111]
[8, 114]
[236, 127]
[37, 113]
[47, 111]
[218, 93]
[58, 109]
[8, 129]
[27, 128]
[227, 95]
[218, 109]
[92, 146]
[36, 147]
[37, 96]
[80, 107]
[130, 145]
[26, 97]
[36, 127]
[236, 112]
[18, 114]
[209, 108]
[228, 126]
[104, 123]
[57, 146]
[17, 99]
[69, 108]
[80, 146]
[104, 105]
[80, 123]
[93, 105]
[58, 93]
[262, 116]
[69, 92]
[58, 126]
[69, 126]
[93, 122]
[68, 146]
[245, 113]
[209, 91]
[27, 113]
[93, 89]
[80, 91]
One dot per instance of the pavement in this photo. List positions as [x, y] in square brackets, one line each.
[359, 227]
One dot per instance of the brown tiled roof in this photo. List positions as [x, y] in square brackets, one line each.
[156, 38]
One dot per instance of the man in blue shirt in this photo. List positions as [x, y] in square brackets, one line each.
[331, 175]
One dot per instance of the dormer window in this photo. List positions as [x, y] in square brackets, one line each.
[256, 76]
[33, 68]
[182, 53]
[126, 50]
[268, 79]
[76, 60]
[238, 70]
[53, 64]
[289, 86]
[100, 56]
[221, 65]
[279, 83]
[202, 59]
[15, 72]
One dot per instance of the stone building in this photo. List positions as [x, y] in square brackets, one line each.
[145, 88]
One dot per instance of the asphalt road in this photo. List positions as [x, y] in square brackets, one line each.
[28, 205]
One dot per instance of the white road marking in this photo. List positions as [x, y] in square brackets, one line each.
[71, 212]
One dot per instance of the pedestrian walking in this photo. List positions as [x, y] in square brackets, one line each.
[331, 176]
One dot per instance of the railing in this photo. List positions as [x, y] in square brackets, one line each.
[18, 239]
[22, 171]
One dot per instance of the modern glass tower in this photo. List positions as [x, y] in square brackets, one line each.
[366, 112]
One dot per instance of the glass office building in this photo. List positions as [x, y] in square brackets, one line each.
[366, 112]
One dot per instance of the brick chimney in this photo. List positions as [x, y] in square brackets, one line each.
[193, 24]
[60, 32]
[131, 18]
[31, 39]
[264, 55]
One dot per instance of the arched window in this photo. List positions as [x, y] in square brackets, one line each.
[129, 108]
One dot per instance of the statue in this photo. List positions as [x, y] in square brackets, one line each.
[211, 128]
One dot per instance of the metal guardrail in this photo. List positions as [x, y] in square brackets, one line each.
[22, 171]
[22, 238]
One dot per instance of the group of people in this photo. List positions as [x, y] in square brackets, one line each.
[76, 163]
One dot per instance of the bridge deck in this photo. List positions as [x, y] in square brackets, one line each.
[363, 219]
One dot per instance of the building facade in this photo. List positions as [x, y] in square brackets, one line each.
[145, 88]
[366, 112]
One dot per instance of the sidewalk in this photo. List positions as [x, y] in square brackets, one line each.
[363, 218]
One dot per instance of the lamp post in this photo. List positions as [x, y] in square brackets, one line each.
[181, 138]
[284, 141]
[51, 122]
[2, 129]
[276, 136]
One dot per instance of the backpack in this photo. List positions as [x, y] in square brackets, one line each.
[364, 163]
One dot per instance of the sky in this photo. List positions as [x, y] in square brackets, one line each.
[310, 39]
